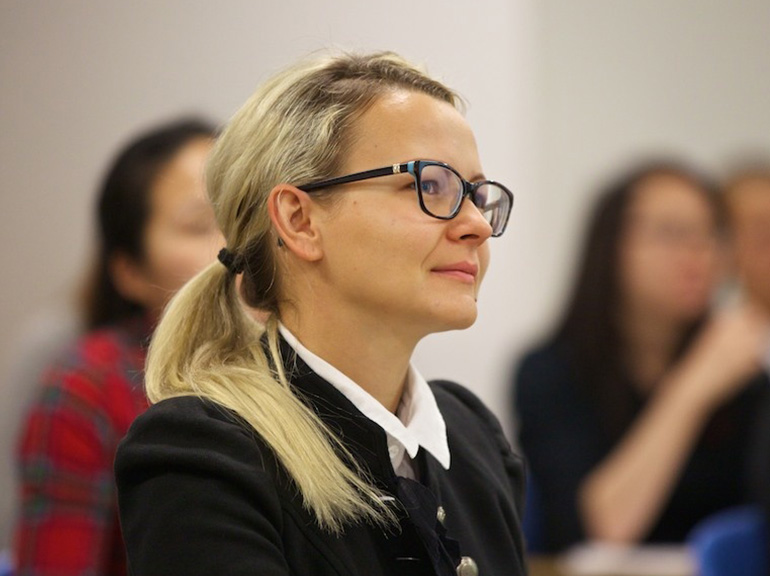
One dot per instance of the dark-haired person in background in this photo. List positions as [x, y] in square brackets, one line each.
[748, 207]
[635, 415]
[747, 196]
[156, 230]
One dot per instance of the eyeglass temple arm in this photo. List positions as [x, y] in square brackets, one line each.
[365, 175]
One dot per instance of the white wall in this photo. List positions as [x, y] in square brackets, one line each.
[78, 77]
[623, 80]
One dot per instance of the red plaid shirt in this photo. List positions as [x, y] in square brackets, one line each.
[69, 521]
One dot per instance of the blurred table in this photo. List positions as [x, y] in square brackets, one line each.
[609, 560]
[544, 566]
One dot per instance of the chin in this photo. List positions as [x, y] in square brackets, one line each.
[458, 320]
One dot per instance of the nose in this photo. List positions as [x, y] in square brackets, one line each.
[470, 224]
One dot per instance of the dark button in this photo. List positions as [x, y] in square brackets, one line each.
[467, 567]
[441, 515]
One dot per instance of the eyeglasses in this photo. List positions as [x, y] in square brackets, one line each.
[440, 190]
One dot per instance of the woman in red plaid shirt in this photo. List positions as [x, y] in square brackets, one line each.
[156, 230]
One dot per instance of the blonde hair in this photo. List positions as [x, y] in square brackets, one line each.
[294, 129]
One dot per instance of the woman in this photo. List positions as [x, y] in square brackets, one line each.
[635, 414]
[156, 230]
[312, 446]
[747, 195]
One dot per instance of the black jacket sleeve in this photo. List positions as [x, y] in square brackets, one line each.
[191, 462]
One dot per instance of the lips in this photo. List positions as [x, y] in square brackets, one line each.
[463, 271]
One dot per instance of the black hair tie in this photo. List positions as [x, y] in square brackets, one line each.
[231, 261]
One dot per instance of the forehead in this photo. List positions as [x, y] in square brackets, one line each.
[181, 179]
[669, 195]
[405, 125]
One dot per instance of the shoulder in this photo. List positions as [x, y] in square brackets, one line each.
[185, 421]
[93, 389]
[97, 356]
[105, 348]
[544, 371]
[467, 418]
[189, 435]
[102, 371]
[455, 399]
[551, 357]
[460, 407]
[195, 482]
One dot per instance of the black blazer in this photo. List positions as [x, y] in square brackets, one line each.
[201, 494]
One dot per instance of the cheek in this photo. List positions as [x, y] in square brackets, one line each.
[484, 257]
[640, 269]
[701, 266]
[174, 257]
[377, 239]
[647, 275]
[753, 253]
[669, 277]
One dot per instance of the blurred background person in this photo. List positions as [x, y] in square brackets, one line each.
[747, 194]
[635, 414]
[156, 229]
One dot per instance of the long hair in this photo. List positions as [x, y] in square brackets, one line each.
[590, 324]
[123, 210]
[294, 129]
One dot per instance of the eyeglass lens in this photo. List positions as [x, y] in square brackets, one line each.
[442, 193]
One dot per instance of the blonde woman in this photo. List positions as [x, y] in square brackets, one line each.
[356, 212]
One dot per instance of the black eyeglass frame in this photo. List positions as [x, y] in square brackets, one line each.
[414, 168]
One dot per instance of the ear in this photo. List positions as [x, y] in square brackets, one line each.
[131, 280]
[296, 220]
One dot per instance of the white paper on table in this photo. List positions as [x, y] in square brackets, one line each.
[601, 559]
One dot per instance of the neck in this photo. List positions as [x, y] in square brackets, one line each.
[370, 355]
[650, 342]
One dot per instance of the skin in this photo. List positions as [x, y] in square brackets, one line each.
[181, 237]
[749, 209]
[670, 261]
[387, 273]
[667, 278]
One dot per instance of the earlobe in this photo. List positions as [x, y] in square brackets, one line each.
[294, 216]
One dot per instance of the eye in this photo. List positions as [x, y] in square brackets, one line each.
[430, 187]
[481, 199]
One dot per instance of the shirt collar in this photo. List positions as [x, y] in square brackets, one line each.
[418, 423]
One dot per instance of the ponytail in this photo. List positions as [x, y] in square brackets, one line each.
[209, 346]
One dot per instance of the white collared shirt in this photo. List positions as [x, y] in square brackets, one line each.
[417, 422]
